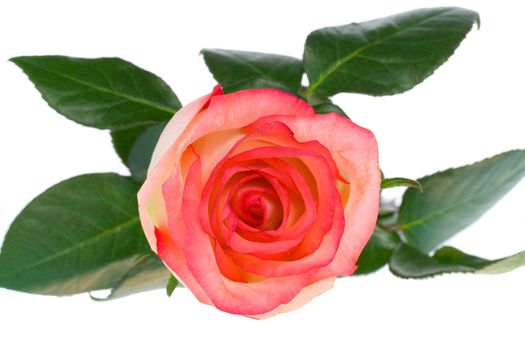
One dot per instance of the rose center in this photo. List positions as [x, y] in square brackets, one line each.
[257, 205]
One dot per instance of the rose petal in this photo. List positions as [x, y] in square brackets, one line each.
[174, 258]
[232, 112]
[150, 201]
[308, 293]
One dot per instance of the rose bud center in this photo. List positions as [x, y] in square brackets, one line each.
[257, 205]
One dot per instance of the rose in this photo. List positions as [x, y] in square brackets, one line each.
[256, 203]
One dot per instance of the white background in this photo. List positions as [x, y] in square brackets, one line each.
[470, 109]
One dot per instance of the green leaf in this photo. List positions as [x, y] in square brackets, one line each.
[80, 235]
[384, 56]
[105, 93]
[238, 70]
[408, 262]
[329, 107]
[140, 154]
[401, 182]
[504, 265]
[377, 252]
[148, 273]
[312, 98]
[123, 140]
[321, 104]
[455, 198]
[172, 284]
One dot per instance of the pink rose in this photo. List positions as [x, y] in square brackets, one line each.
[256, 203]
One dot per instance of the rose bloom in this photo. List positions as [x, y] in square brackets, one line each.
[256, 204]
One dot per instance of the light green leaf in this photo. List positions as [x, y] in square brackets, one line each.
[238, 70]
[504, 265]
[80, 235]
[148, 273]
[384, 56]
[408, 262]
[455, 198]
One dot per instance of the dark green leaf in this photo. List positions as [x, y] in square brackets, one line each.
[148, 273]
[377, 252]
[123, 140]
[408, 262]
[312, 98]
[401, 182]
[455, 198]
[453, 256]
[238, 70]
[384, 56]
[105, 93]
[329, 107]
[321, 104]
[80, 235]
[142, 150]
[172, 284]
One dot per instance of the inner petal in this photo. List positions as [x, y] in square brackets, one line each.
[257, 205]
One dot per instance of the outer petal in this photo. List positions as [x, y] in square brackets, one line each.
[308, 293]
[150, 202]
[175, 259]
[178, 124]
[226, 113]
[245, 107]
